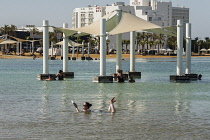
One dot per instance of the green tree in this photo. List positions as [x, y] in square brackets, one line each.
[200, 44]
[160, 41]
[107, 46]
[34, 31]
[127, 42]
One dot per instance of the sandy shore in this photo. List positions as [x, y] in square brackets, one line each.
[28, 56]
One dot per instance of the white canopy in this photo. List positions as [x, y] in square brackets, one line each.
[18, 39]
[161, 31]
[129, 23]
[93, 28]
[8, 41]
[70, 43]
[203, 50]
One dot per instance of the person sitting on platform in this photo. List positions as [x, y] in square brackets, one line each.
[120, 77]
[199, 77]
[60, 75]
[50, 78]
[131, 80]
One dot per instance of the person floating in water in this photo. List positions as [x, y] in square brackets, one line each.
[86, 106]
[60, 75]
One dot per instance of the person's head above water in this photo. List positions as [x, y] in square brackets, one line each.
[86, 105]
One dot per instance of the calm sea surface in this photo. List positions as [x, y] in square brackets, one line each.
[152, 108]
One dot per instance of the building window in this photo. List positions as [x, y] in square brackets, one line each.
[150, 18]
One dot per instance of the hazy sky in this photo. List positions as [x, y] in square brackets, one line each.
[33, 12]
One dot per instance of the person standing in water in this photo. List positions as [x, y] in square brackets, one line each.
[86, 106]
[60, 75]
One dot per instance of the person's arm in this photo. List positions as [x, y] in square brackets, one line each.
[111, 106]
[75, 105]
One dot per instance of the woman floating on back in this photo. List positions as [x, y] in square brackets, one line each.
[86, 106]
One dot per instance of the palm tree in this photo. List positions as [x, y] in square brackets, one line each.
[194, 43]
[172, 41]
[151, 43]
[5, 29]
[107, 46]
[160, 41]
[52, 37]
[34, 31]
[206, 38]
[127, 42]
[123, 42]
[97, 42]
[143, 41]
[200, 44]
[138, 39]
[12, 30]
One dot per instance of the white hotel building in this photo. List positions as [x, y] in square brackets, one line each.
[157, 12]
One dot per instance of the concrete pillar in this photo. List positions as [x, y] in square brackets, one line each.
[103, 47]
[32, 46]
[188, 48]
[17, 48]
[179, 47]
[119, 44]
[73, 49]
[51, 49]
[88, 49]
[132, 51]
[82, 49]
[21, 47]
[65, 50]
[30, 49]
[45, 47]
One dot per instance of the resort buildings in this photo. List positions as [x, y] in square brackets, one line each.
[157, 12]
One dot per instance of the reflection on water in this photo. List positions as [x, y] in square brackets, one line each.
[151, 108]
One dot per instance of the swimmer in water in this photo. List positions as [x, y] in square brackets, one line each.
[86, 106]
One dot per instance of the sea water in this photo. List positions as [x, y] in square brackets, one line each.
[151, 108]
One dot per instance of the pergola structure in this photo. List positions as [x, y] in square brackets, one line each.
[115, 23]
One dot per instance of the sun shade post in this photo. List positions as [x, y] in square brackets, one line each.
[179, 47]
[188, 48]
[45, 47]
[103, 47]
[65, 50]
[132, 51]
[119, 43]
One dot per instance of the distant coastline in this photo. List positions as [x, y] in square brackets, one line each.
[94, 56]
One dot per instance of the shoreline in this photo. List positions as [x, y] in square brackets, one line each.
[94, 56]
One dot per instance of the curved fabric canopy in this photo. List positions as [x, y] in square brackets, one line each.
[70, 43]
[8, 41]
[160, 31]
[93, 28]
[2, 40]
[129, 23]
[18, 39]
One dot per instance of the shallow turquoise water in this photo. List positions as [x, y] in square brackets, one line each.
[151, 108]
